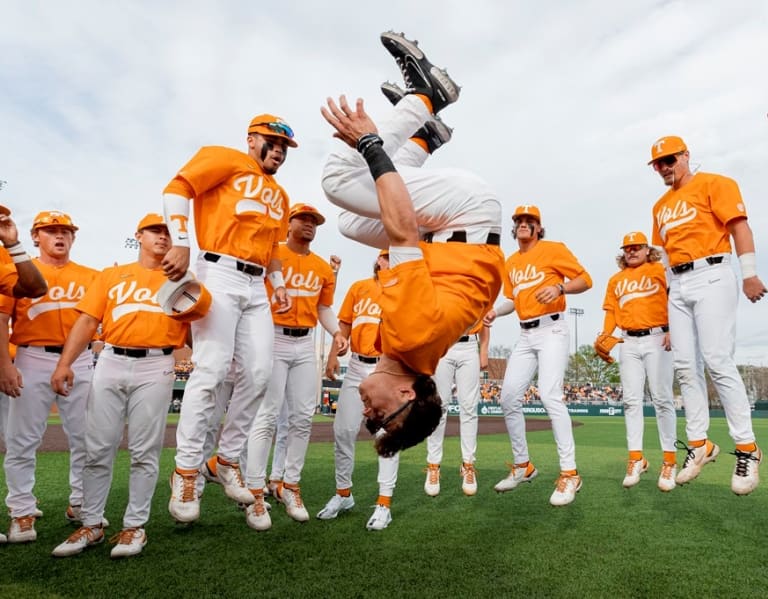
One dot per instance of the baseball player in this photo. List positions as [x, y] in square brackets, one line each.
[694, 222]
[636, 302]
[241, 213]
[310, 282]
[538, 276]
[19, 277]
[132, 383]
[40, 327]
[461, 365]
[450, 280]
[359, 322]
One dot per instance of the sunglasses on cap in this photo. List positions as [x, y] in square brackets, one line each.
[633, 248]
[670, 160]
[276, 127]
[374, 426]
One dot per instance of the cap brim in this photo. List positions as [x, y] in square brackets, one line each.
[319, 217]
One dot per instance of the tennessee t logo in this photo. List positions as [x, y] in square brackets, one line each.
[660, 145]
[181, 220]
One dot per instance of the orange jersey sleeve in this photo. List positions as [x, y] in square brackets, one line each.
[361, 311]
[124, 299]
[638, 297]
[8, 279]
[239, 210]
[310, 282]
[547, 263]
[690, 222]
[47, 320]
[427, 305]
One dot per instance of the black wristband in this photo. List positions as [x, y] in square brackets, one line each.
[371, 146]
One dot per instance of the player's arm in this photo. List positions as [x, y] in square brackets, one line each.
[744, 243]
[176, 213]
[332, 365]
[330, 323]
[30, 282]
[275, 275]
[485, 339]
[502, 309]
[357, 129]
[79, 337]
[10, 377]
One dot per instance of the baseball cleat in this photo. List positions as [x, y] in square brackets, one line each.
[335, 506]
[232, 480]
[745, 473]
[667, 477]
[468, 479]
[257, 514]
[517, 476]
[432, 482]
[275, 489]
[419, 74]
[74, 515]
[129, 542]
[184, 504]
[634, 469]
[294, 506]
[566, 487]
[82, 538]
[380, 519]
[695, 460]
[434, 132]
[209, 470]
[22, 530]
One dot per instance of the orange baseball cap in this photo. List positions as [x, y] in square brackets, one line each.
[527, 210]
[384, 252]
[666, 146]
[298, 209]
[151, 220]
[634, 238]
[52, 218]
[185, 300]
[270, 125]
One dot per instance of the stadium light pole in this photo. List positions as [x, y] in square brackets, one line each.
[576, 313]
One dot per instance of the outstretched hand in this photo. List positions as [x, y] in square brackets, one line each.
[350, 124]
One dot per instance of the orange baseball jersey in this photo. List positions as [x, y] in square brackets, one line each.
[124, 299]
[47, 320]
[310, 282]
[361, 311]
[690, 222]
[547, 263]
[638, 297]
[239, 210]
[427, 305]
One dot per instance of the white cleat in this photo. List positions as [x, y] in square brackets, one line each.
[335, 506]
[231, 479]
[380, 519]
[695, 460]
[294, 506]
[432, 482]
[516, 477]
[634, 469]
[566, 488]
[184, 504]
[257, 514]
[745, 473]
[667, 477]
[130, 542]
[78, 541]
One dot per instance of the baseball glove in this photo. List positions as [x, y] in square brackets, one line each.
[604, 344]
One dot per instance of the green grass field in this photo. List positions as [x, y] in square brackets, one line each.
[698, 541]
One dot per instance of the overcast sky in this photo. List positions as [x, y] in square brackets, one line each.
[100, 105]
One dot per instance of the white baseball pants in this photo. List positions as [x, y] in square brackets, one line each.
[545, 348]
[462, 365]
[281, 444]
[238, 325]
[346, 428]
[702, 325]
[444, 199]
[27, 421]
[136, 392]
[641, 357]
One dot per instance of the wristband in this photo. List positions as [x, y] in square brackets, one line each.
[17, 253]
[748, 265]
[371, 146]
[561, 287]
[276, 279]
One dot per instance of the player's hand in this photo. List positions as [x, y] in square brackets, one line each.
[548, 294]
[483, 361]
[342, 343]
[666, 343]
[282, 300]
[62, 380]
[489, 318]
[335, 263]
[332, 368]
[9, 235]
[350, 124]
[176, 262]
[754, 289]
[10, 380]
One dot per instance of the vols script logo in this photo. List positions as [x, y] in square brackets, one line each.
[525, 279]
[298, 284]
[257, 197]
[366, 311]
[131, 298]
[668, 218]
[627, 290]
[57, 298]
